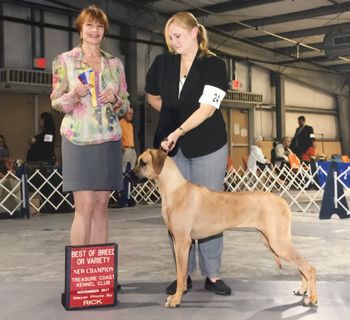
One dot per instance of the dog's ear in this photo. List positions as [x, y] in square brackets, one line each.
[158, 158]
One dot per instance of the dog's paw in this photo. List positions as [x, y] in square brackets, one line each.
[310, 301]
[300, 293]
[172, 302]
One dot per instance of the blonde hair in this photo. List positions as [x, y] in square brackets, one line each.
[92, 13]
[188, 21]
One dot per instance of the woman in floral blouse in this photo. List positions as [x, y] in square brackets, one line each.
[89, 87]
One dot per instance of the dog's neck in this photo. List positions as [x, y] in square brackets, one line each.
[170, 178]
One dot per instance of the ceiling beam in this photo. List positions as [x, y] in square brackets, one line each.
[293, 49]
[261, 46]
[302, 33]
[321, 60]
[342, 67]
[318, 59]
[229, 6]
[299, 15]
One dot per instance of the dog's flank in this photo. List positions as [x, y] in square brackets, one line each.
[194, 212]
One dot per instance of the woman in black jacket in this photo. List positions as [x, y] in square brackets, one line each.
[187, 86]
[42, 146]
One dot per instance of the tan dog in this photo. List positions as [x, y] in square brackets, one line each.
[194, 212]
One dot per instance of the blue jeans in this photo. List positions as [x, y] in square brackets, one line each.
[208, 171]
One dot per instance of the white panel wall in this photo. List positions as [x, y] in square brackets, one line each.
[16, 11]
[298, 94]
[18, 38]
[37, 49]
[261, 84]
[56, 41]
[142, 68]
[264, 123]
[322, 124]
[242, 75]
[56, 46]
[301, 95]
[151, 114]
[17, 53]
[112, 46]
[56, 18]
[76, 39]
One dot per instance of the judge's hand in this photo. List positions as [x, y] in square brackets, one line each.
[82, 90]
[108, 96]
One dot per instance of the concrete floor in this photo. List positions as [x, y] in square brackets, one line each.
[32, 271]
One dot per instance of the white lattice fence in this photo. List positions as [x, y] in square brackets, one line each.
[46, 191]
[343, 179]
[146, 193]
[10, 193]
[298, 186]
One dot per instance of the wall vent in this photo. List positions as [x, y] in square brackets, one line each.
[337, 43]
[32, 81]
[247, 97]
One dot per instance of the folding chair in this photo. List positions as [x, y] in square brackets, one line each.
[230, 165]
[245, 162]
[294, 161]
[345, 158]
[298, 169]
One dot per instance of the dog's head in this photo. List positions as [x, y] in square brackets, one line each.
[148, 166]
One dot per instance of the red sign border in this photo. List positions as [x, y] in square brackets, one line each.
[66, 295]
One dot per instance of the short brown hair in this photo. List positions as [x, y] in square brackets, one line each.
[92, 13]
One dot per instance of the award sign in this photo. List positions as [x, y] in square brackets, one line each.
[90, 276]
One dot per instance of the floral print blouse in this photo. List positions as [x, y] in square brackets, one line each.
[83, 123]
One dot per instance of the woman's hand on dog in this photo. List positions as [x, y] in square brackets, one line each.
[169, 142]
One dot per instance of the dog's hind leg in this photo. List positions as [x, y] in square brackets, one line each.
[304, 286]
[267, 244]
[285, 250]
[182, 245]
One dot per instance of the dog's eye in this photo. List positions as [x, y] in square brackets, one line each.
[142, 163]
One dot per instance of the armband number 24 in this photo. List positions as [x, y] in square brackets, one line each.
[216, 98]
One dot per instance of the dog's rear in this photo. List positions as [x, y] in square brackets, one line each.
[266, 212]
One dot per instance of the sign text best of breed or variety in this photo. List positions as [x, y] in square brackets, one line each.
[90, 276]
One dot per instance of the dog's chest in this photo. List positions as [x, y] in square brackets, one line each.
[165, 214]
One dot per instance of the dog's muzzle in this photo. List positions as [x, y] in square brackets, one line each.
[134, 178]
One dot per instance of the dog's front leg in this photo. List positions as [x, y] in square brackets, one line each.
[181, 249]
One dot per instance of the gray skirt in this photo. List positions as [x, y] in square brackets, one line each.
[95, 167]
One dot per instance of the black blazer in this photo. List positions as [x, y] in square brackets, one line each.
[302, 141]
[163, 80]
[43, 149]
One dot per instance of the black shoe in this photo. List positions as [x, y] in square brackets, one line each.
[170, 290]
[119, 287]
[131, 202]
[121, 205]
[218, 287]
